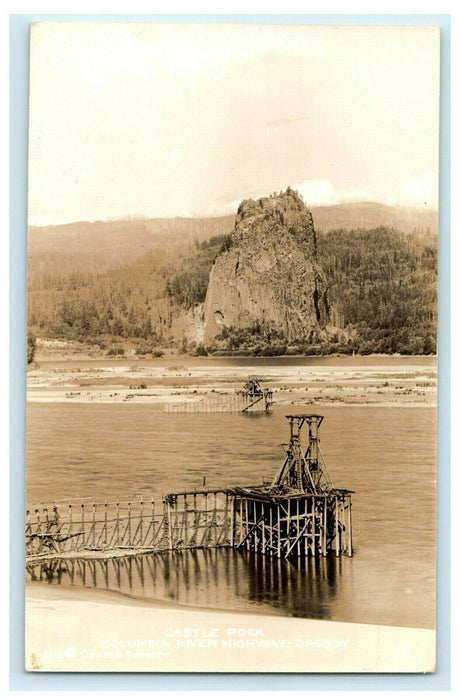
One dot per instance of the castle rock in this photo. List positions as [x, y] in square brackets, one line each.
[269, 278]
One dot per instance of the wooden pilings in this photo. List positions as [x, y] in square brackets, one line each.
[295, 526]
[200, 519]
[299, 526]
[249, 400]
[227, 403]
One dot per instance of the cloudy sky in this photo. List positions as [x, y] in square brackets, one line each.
[187, 120]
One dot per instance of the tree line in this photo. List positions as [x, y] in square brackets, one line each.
[382, 292]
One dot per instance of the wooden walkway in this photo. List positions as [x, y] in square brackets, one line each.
[300, 514]
[178, 521]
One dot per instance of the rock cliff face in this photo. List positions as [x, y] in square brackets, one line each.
[269, 278]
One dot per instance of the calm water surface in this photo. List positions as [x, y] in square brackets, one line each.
[352, 361]
[385, 455]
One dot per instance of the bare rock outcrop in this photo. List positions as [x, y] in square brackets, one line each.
[269, 278]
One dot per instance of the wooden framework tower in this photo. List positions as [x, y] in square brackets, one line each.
[300, 513]
[304, 472]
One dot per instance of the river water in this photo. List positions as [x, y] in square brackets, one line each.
[387, 456]
[350, 361]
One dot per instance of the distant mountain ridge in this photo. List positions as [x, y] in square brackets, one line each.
[102, 245]
[112, 243]
[369, 215]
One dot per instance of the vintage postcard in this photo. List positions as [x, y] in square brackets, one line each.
[232, 347]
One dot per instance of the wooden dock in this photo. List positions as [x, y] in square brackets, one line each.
[252, 398]
[299, 515]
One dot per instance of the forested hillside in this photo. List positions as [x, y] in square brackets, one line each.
[382, 290]
[136, 301]
[382, 296]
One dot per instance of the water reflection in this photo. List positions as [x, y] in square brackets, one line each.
[215, 578]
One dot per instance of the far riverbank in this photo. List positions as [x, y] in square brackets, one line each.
[369, 380]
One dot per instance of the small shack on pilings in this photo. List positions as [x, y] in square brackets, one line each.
[252, 398]
[256, 398]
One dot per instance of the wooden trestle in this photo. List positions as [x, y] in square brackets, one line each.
[300, 514]
[252, 398]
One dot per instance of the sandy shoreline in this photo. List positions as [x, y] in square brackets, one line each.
[410, 385]
[79, 630]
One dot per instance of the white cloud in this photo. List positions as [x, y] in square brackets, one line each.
[419, 191]
[323, 192]
[313, 192]
[317, 191]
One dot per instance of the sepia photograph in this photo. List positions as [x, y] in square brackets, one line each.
[232, 332]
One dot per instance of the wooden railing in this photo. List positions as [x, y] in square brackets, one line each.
[177, 521]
